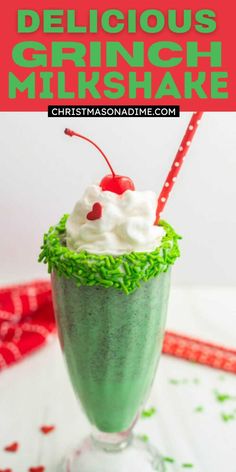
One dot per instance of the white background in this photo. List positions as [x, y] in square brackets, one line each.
[44, 172]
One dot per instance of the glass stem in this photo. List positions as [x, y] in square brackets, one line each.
[112, 442]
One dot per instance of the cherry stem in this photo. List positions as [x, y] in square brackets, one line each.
[71, 133]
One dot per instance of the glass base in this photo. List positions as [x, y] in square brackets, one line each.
[133, 455]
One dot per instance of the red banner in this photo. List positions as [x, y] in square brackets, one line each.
[117, 52]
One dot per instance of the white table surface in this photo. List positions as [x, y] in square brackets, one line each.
[37, 391]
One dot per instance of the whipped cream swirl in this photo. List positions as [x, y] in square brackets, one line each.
[126, 223]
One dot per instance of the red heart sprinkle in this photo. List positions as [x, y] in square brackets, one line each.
[47, 429]
[12, 447]
[96, 212]
[40, 468]
[5, 470]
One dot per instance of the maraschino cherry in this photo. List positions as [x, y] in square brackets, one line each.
[112, 182]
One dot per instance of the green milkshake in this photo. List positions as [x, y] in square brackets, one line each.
[112, 342]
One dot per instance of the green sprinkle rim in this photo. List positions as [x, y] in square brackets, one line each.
[123, 272]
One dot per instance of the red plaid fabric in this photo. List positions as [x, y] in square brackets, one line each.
[27, 321]
[196, 350]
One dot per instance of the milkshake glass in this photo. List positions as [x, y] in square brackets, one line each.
[111, 329]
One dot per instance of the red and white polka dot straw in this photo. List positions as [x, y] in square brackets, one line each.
[178, 161]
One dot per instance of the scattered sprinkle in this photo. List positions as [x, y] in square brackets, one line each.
[47, 429]
[221, 378]
[227, 417]
[169, 459]
[184, 381]
[12, 447]
[199, 409]
[196, 381]
[143, 437]
[122, 272]
[174, 381]
[5, 470]
[187, 465]
[148, 413]
[223, 397]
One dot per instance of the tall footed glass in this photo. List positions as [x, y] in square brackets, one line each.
[112, 343]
